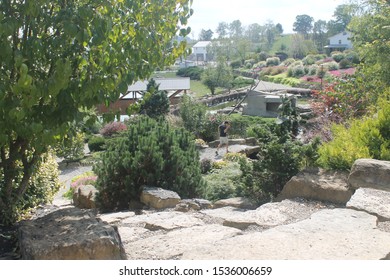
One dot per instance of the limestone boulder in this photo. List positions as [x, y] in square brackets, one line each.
[370, 173]
[69, 234]
[318, 184]
[159, 198]
[376, 202]
[85, 196]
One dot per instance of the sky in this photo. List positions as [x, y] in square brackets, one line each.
[208, 13]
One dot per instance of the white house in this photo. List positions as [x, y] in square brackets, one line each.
[340, 42]
[200, 50]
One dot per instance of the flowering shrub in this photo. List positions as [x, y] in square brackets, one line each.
[87, 178]
[83, 181]
[112, 128]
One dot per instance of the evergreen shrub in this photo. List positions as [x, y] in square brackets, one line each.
[96, 143]
[149, 153]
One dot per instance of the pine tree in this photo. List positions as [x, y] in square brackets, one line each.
[151, 153]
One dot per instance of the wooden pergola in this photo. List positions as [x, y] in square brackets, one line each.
[173, 86]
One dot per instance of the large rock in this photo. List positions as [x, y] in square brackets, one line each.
[338, 234]
[159, 198]
[370, 173]
[318, 184]
[69, 234]
[376, 202]
[85, 196]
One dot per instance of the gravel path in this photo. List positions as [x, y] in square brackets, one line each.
[66, 175]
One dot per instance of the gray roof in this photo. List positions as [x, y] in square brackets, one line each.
[172, 84]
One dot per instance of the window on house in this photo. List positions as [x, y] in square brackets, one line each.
[340, 42]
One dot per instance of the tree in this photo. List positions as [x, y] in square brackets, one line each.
[235, 29]
[300, 47]
[342, 17]
[149, 153]
[279, 28]
[206, 35]
[222, 30]
[220, 76]
[155, 102]
[254, 32]
[319, 34]
[371, 39]
[58, 57]
[303, 25]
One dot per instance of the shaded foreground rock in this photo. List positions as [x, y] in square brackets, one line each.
[69, 234]
[318, 184]
[370, 173]
[339, 234]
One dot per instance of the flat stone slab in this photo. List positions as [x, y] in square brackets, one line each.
[338, 234]
[173, 244]
[267, 215]
[163, 221]
[376, 202]
[116, 217]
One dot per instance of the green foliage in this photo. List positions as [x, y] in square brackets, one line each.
[367, 138]
[273, 61]
[96, 144]
[193, 115]
[71, 147]
[59, 58]
[42, 185]
[219, 76]
[223, 182]
[152, 153]
[193, 72]
[371, 35]
[338, 56]
[155, 103]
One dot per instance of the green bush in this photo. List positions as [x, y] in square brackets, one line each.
[331, 66]
[41, 189]
[96, 143]
[368, 138]
[149, 153]
[338, 56]
[352, 56]
[273, 61]
[193, 72]
[223, 182]
[345, 64]
[71, 147]
[236, 64]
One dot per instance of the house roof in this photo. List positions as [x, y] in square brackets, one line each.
[347, 33]
[336, 46]
[172, 84]
[202, 44]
